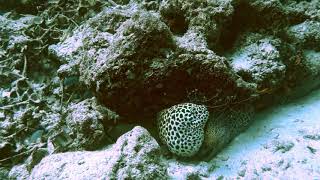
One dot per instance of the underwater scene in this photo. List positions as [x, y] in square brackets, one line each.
[159, 89]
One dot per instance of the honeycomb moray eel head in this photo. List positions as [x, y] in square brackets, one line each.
[181, 128]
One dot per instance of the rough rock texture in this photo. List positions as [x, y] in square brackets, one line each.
[132, 55]
[205, 18]
[269, 14]
[9, 25]
[257, 59]
[12, 37]
[19, 172]
[132, 63]
[135, 155]
[25, 6]
[310, 8]
[304, 74]
[85, 121]
[305, 35]
[85, 125]
[193, 42]
[303, 64]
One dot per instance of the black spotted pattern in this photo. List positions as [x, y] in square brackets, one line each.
[181, 128]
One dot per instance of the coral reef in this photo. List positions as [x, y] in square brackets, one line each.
[181, 128]
[76, 75]
[33, 100]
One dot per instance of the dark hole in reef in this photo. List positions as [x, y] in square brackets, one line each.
[177, 23]
[137, 148]
[6, 150]
[122, 2]
[247, 18]
[246, 76]
[243, 17]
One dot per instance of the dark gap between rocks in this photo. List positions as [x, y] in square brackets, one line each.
[243, 17]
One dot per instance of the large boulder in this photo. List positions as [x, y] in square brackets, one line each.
[135, 155]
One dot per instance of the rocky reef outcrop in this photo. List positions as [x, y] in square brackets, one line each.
[139, 58]
[135, 66]
[72, 72]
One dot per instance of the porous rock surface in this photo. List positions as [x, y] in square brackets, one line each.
[257, 59]
[135, 155]
[303, 71]
[86, 121]
[305, 35]
[11, 34]
[19, 172]
[83, 128]
[132, 59]
[133, 54]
